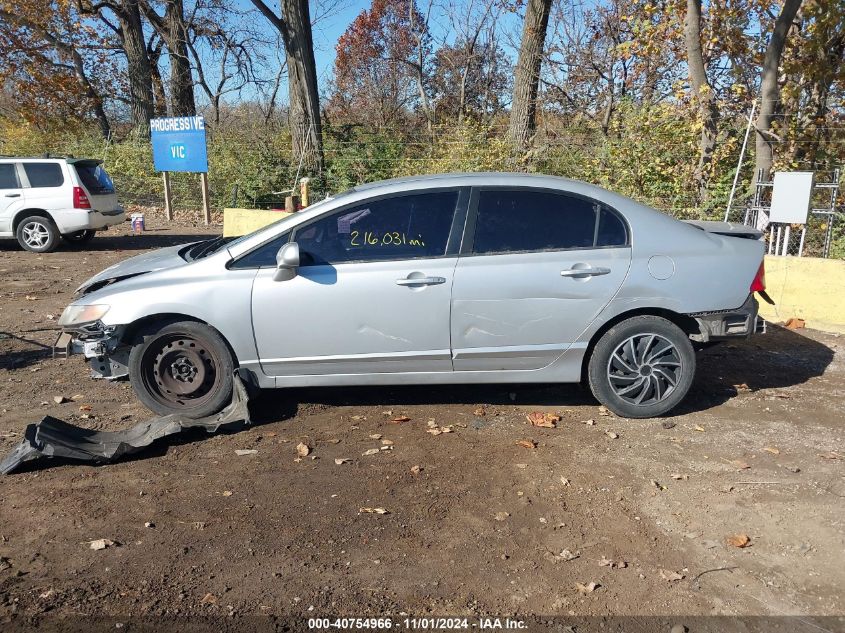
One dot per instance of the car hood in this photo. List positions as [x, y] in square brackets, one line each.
[160, 259]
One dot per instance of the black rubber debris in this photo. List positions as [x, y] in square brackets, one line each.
[56, 438]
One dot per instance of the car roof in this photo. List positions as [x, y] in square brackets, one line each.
[70, 160]
[466, 179]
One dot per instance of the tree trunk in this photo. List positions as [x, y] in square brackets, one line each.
[770, 89]
[708, 111]
[304, 118]
[181, 80]
[137, 65]
[523, 117]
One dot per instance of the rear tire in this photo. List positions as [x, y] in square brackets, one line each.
[183, 367]
[642, 367]
[80, 237]
[37, 233]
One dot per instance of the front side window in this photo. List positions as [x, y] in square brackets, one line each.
[8, 177]
[400, 227]
[44, 174]
[522, 221]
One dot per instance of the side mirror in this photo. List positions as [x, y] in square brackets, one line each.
[287, 261]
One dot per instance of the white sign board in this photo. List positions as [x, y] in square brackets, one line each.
[791, 197]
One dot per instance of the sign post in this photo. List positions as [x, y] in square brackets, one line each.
[179, 144]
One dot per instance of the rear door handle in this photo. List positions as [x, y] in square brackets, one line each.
[585, 272]
[421, 281]
[13, 195]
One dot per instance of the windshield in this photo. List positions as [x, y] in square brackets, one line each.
[95, 179]
[209, 247]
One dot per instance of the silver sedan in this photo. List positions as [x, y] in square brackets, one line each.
[446, 279]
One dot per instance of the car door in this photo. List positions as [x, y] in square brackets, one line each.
[537, 267]
[372, 292]
[11, 195]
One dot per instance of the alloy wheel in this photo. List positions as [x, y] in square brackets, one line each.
[36, 234]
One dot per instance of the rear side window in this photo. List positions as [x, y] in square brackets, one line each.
[8, 177]
[95, 179]
[44, 174]
[524, 220]
[395, 228]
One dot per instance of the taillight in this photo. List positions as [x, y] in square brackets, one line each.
[80, 199]
[759, 283]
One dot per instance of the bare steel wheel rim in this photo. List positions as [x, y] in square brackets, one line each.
[644, 369]
[36, 234]
[180, 371]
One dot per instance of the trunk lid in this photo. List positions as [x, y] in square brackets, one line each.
[97, 184]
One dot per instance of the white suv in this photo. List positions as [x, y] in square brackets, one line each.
[43, 200]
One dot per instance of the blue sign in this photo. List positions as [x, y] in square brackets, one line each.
[179, 144]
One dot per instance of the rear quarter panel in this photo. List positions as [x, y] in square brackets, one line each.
[703, 271]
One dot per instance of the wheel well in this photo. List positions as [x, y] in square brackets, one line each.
[686, 323]
[25, 213]
[133, 332]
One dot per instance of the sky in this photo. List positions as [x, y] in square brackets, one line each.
[328, 29]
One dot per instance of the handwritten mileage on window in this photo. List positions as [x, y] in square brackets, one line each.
[390, 238]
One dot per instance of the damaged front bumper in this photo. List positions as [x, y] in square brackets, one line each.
[102, 347]
[741, 322]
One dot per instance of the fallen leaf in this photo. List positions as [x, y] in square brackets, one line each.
[772, 450]
[416, 470]
[679, 477]
[590, 422]
[302, 449]
[795, 323]
[738, 540]
[564, 481]
[209, 598]
[544, 420]
[480, 412]
[611, 435]
[434, 431]
[101, 543]
[501, 516]
[342, 460]
[359, 417]
[699, 429]
[590, 587]
[372, 511]
[527, 443]
[830, 455]
[85, 407]
[671, 576]
[400, 418]
[605, 562]
[246, 451]
[371, 451]
[742, 388]
[375, 436]
[387, 442]
[227, 493]
[603, 410]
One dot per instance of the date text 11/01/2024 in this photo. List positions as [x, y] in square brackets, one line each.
[431, 623]
[395, 238]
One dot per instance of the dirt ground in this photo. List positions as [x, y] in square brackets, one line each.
[476, 523]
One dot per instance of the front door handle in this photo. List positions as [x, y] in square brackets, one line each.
[13, 195]
[421, 281]
[585, 272]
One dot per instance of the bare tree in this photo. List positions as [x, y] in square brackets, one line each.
[523, 119]
[708, 110]
[770, 88]
[294, 26]
[173, 30]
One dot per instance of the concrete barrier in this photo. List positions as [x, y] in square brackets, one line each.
[808, 288]
[238, 222]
